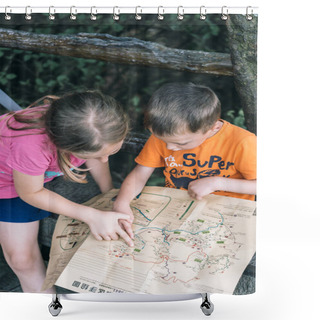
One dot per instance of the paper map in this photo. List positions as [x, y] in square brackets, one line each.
[181, 246]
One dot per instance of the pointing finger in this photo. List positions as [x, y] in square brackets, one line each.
[127, 227]
[125, 237]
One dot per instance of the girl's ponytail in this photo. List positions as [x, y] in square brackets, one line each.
[69, 170]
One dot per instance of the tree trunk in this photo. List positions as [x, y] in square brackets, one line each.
[243, 48]
[119, 50]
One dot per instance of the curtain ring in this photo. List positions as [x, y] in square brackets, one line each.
[52, 11]
[180, 13]
[73, 13]
[116, 15]
[7, 10]
[138, 16]
[93, 16]
[249, 16]
[160, 15]
[224, 13]
[203, 13]
[28, 13]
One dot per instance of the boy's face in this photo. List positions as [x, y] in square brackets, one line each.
[185, 141]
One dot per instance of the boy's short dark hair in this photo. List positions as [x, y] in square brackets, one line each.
[177, 107]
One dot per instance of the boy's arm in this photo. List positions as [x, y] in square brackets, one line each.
[201, 187]
[101, 174]
[131, 187]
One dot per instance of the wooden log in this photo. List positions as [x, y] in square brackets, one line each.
[119, 50]
[243, 47]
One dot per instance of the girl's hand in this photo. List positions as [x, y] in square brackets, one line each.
[105, 225]
[199, 188]
[126, 209]
[127, 226]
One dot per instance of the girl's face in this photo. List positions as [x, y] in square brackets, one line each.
[103, 154]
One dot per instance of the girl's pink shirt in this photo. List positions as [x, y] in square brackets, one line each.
[32, 154]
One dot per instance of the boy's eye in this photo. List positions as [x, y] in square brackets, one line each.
[182, 144]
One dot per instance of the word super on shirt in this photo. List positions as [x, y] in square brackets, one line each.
[28, 151]
[230, 153]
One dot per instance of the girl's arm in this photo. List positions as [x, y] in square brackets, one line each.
[202, 187]
[101, 174]
[103, 224]
[131, 187]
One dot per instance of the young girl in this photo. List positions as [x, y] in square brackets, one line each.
[40, 143]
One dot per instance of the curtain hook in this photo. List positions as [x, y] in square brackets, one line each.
[116, 16]
[28, 13]
[203, 13]
[138, 16]
[73, 13]
[180, 13]
[249, 16]
[52, 11]
[93, 16]
[7, 10]
[160, 15]
[224, 13]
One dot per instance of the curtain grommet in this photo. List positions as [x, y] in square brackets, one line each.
[73, 13]
[249, 16]
[138, 16]
[160, 14]
[116, 15]
[7, 10]
[93, 15]
[203, 13]
[180, 13]
[224, 13]
[52, 12]
[28, 13]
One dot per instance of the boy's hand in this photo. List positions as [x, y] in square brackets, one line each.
[123, 208]
[199, 188]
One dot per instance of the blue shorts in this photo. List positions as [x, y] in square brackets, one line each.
[16, 210]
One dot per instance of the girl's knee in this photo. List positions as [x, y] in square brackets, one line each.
[20, 261]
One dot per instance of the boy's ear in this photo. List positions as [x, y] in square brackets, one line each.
[216, 127]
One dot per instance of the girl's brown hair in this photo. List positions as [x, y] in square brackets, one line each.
[80, 122]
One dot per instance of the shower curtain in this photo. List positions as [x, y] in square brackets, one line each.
[129, 57]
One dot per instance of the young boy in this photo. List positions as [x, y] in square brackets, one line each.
[200, 152]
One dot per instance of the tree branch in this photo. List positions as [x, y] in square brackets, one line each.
[119, 50]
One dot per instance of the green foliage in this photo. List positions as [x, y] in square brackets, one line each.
[236, 118]
[5, 78]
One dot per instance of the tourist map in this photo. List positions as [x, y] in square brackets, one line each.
[181, 245]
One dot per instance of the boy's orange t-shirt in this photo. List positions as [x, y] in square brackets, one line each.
[231, 153]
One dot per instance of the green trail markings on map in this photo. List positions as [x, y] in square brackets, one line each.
[191, 203]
